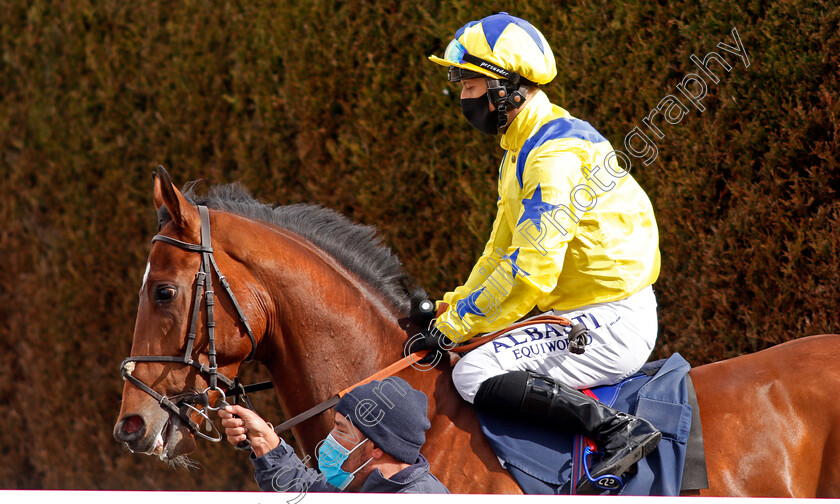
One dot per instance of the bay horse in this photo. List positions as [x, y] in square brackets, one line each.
[326, 304]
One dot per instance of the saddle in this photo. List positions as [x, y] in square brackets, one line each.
[544, 460]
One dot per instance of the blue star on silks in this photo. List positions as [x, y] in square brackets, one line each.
[467, 305]
[534, 207]
[513, 267]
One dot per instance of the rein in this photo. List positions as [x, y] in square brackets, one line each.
[405, 362]
[185, 406]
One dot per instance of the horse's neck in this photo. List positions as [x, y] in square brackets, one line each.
[325, 329]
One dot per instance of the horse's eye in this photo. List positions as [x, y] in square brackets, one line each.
[165, 294]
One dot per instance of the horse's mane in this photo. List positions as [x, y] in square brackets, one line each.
[355, 246]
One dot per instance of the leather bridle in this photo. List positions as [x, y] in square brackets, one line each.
[184, 404]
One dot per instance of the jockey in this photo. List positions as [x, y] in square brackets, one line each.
[574, 235]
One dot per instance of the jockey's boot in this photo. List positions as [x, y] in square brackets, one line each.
[622, 438]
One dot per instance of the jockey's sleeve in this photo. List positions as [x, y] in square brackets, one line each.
[499, 236]
[524, 256]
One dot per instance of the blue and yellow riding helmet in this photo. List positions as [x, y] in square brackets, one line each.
[508, 51]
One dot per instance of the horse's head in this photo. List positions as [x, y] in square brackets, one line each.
[184, 350]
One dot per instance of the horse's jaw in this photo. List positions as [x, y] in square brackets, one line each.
[173, 443]
[167, 438]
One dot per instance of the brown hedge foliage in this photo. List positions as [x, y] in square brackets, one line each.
[333, 102]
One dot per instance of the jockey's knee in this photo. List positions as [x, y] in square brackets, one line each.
[468, 374]
[463, 380]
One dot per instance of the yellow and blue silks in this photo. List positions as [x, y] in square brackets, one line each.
[572, 228]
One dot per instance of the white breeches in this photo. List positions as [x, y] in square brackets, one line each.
[622, 337]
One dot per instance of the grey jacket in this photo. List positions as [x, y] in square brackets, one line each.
[281, 470]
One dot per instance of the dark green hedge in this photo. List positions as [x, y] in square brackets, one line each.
[334, 102]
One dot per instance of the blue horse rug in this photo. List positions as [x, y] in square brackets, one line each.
[545, 460]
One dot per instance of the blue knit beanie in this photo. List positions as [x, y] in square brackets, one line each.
[391, 413]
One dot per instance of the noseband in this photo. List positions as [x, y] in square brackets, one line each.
[203, 284]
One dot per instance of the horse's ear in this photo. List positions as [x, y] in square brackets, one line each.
[184, 215]
[157, 190]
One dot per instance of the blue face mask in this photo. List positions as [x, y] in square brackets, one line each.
[331, 456]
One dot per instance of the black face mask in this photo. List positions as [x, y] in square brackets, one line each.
[477, 111]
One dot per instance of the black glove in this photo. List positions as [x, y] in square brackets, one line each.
[435, 340]
[429, 339]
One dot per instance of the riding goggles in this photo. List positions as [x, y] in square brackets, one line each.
[460, 62]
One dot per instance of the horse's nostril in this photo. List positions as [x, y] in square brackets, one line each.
[132, 424]
[129, 429]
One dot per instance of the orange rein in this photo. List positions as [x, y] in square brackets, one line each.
[475, 343]
[416, 357]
